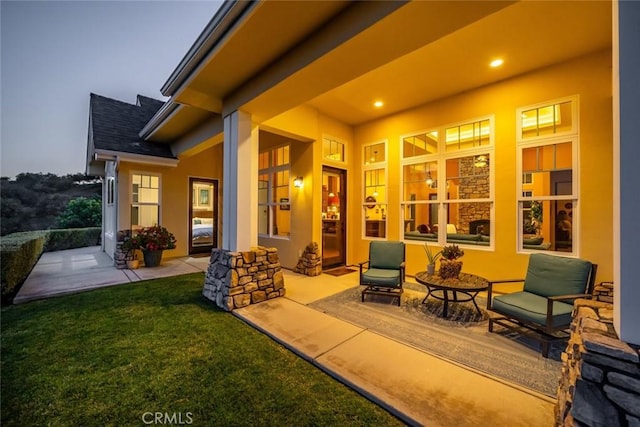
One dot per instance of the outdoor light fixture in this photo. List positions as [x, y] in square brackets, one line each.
[378, 104]
[297, 182]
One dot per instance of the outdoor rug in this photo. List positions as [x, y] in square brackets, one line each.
[339, 271]
[461, 338]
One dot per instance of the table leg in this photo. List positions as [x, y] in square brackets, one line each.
[428, 293]
[445, 309]
[473, 300]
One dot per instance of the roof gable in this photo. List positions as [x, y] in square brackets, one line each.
[115, 126]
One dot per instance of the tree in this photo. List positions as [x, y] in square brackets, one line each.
[81, 212]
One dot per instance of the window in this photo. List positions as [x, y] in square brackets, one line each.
[447, 182]
[145, 200]
[110, 190]
[375, 208]
[333, 149]
[274, 208]
[547, 163]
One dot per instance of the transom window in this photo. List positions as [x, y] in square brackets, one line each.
[274, 205]
[447, 182]
[547, 163]
[333, 149]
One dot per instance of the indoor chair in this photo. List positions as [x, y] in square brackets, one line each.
[543, 309]
[384, 273]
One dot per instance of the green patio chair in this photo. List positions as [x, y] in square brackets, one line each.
[543, 309]
[384, 273]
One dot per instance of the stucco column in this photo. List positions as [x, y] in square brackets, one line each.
[240, 185]
[626, 110]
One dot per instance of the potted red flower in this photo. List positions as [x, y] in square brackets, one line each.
[153, 241]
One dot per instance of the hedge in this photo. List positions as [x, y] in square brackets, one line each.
[19, 252]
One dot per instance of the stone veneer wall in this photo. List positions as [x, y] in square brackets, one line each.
[474, 184]
[600, 382]
[310, 263]
[237, 279]
[120, 257]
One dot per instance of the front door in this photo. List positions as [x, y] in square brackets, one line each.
[203, 215]
[334, 216]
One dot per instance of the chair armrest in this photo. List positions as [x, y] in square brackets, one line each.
[361, 264]
[552, 299]
[566, 297]
[490, 288]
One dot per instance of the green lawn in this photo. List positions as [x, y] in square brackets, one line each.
[109, 356]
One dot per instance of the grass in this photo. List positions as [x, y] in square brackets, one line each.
[108, 356]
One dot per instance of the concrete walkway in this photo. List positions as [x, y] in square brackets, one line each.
[418, 387]
[76, 270]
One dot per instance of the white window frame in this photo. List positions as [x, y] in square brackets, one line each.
[132, 203]
[270, 204]
[366, 167]
[441, 157]
[539, 141]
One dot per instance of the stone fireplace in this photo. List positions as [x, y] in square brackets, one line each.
[237, 279]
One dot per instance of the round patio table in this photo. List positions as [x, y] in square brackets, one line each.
[469, 285]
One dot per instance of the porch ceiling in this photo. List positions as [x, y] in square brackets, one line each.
[527, 35]
[341, 56]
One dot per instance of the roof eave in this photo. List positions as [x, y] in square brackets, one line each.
[224, 19]
[164, 113]
[121, 156]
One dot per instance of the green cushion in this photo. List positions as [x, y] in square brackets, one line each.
[386, 255]
[532, 308]
[550, 275]
[381, 277]
[463, 237]
[533, 241]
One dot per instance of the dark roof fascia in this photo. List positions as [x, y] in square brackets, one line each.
[228, 15]
[165, 112]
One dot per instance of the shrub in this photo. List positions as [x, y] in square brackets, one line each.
[72, 238]
[19, 252]
[81, 212]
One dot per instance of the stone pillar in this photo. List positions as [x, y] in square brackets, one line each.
[310, 263]
[600, 382]
[237, 279]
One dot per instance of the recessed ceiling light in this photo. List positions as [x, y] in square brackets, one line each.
[378, 104]
[496, 63]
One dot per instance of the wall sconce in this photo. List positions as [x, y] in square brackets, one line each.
[297, 182]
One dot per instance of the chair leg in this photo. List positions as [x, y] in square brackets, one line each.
[490, 325]
[545, 349]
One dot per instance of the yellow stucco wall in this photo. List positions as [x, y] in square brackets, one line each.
[590, 78]
[174, 212]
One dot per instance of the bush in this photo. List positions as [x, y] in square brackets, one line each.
[72, 238]
[19, 252]
[81, 212]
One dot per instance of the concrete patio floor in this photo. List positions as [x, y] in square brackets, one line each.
[76, 270]
[418, 387]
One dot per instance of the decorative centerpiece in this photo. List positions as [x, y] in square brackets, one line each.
[449, 265]
[152, 241]
[432, 258]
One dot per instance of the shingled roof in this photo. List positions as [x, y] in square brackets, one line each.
[116, 125]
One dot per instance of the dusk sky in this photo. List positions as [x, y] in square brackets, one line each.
[55, 53]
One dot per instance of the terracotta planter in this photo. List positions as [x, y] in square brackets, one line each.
[450, 269]
[152, 258]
